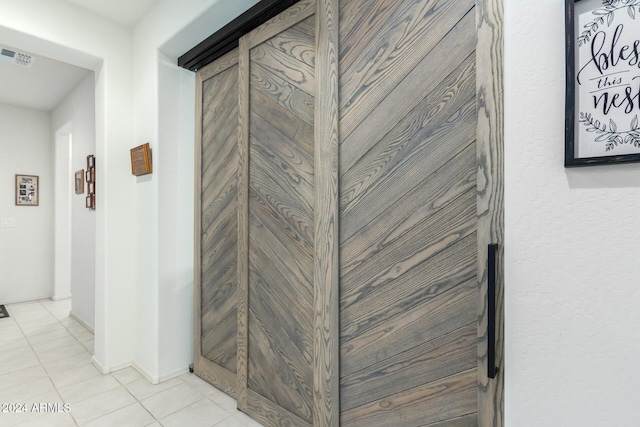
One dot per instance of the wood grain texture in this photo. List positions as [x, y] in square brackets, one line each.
[444, 356]
[243, 223]
[408, 295]
[419, 406]
[221, 64]
[297, 42]
[366, 194]
[269, 414]
[280, 23]
[216, 296]
[423, 283]
[281, 213]
[288, 96]
[286, 67]
[426, 77]
[282, 120]
[219, 377]
[490, 145]
[326, 384]
[415, 28]
[435, 192]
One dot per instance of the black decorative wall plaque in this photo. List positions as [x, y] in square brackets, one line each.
[602, 124]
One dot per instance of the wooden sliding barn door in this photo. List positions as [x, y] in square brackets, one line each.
[278, 214]
[216, 299]
[408, 294]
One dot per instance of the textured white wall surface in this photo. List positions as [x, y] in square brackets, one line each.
[572, 249]
[78, 108]
[26, 250]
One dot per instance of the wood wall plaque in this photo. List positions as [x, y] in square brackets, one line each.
[141, 160]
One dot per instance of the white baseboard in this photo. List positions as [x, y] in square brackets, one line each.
[174, 374]
[57, 298]
[81, 321]
[121, 366]
[153, 379]
[103, 369]
[20, 301]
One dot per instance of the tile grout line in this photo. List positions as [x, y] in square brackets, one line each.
[47, 371]
[201, 396]
[55, 388]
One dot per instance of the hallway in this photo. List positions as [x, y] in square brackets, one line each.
[46, 359]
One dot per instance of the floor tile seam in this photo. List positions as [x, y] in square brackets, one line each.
[105, 414]
[135, 398]
[185, 407]
[55, 388]
[60, 348]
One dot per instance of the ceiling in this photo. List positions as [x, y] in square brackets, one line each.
[47, 82]
[42, 86]
[125, 12]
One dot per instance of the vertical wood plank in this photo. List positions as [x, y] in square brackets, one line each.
[243, 222]
[490, 141]
[326, 411]
[197, 238]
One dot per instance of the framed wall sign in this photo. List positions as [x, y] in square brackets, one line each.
[27, 190]
[90, 177]
[79, 181]
[602, 124]
[141, 160]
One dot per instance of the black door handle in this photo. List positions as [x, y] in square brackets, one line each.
[491, 310]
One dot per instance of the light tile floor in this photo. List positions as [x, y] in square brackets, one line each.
[45, 358]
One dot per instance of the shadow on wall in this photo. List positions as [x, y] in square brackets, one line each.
[606, 176]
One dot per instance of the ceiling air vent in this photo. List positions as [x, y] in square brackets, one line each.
[13, 57]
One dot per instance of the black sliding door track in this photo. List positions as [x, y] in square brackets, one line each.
[226, 39]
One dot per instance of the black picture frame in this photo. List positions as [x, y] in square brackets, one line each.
[602, 28]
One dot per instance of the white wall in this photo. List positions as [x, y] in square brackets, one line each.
[62, 182]
[78, 110]
[61, 31]
[572, 267]
[144, 250]
[26, 250]
[164, 116]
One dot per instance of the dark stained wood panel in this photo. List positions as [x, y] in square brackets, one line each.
[216, 224]
[408, 294]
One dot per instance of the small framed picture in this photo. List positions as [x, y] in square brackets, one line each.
[27, 190]
[79, 181]
[141, 160]
[90, 175]
[602, 107]
[91, 161]
[90, 201]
